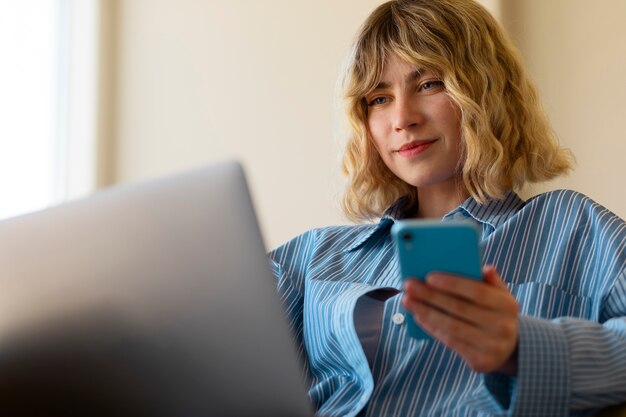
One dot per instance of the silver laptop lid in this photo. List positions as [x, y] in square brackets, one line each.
[154, 299]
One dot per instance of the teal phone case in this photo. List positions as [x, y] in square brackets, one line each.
[425, 246]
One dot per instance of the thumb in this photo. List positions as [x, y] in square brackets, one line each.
[491, 276]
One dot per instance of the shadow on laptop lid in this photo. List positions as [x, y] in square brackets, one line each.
[153, 299]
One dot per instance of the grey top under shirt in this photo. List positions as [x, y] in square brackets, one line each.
[368, 315]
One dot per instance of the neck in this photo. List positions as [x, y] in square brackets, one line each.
[436, 201]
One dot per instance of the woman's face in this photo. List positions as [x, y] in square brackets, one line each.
[415, 126]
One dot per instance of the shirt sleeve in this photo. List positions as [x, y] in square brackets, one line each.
[567, 364]
[289, 263]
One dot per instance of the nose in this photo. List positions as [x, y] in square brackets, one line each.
[407, 114]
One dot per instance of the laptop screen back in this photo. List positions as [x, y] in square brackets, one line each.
[153, 299]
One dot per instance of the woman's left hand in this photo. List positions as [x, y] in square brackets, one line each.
[478, 320]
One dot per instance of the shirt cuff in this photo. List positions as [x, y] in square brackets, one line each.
[542, 386]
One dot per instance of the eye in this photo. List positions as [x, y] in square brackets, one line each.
[431, 86]
[377, 101]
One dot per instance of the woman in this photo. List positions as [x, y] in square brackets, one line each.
[445, 124]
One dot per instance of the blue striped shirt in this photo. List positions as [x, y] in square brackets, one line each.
[562, 256]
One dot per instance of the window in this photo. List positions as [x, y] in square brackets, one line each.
[48, 80]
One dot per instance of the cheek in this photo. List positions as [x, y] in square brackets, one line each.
[449, 116]
[377, 145]
[375, 132]
[452, 112]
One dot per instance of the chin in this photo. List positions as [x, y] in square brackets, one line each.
[418, 181]
[427, 181]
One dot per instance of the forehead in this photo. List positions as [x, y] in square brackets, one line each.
[394, 66]
[395, 69]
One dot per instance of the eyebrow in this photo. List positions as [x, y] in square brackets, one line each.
[412, 76]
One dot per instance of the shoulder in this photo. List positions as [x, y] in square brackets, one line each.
[560, 197]
[321, 239]
[563, 239]
[570, 213]
[571, 204]
[338, 236]
[315, 248]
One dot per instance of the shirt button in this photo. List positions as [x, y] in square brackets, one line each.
[398, 318]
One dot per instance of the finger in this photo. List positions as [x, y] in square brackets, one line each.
[463, 287]
[499, 322]
[416, 289]
[491, 276]
[481, 351]
[452, 331]
[490, 297]
[460, 308]
[475, 302]
[449, 302]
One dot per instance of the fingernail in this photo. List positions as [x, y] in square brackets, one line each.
[432, 278]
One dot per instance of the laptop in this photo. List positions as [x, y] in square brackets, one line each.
[152, 299]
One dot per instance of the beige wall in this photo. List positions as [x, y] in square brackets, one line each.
[576, 53]
[201, 81]
[197, 81]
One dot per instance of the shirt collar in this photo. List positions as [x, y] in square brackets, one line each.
[383, 226]
[493, 213]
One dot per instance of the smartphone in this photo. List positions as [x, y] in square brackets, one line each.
[425, 246]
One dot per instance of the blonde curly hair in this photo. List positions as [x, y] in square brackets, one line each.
[507, 138]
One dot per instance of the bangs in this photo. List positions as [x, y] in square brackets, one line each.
[386, 33]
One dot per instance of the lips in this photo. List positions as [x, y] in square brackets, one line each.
[415, 148]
